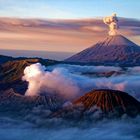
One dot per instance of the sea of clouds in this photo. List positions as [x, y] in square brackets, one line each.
[124, 129]
[70, 81]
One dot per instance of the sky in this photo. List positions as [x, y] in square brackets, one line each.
[21, 29]
[67, 9]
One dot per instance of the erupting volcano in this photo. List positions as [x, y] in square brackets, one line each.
[115, 49]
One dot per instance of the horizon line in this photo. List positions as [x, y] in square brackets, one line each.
[83, 18]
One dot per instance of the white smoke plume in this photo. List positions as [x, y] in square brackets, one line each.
[68, 83]
[112, 22]
[57, 82]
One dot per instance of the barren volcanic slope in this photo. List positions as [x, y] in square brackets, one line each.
[114, 49]
[110, 101]
[4, 59]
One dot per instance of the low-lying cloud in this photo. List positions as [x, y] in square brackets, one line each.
[68, 82]
[86, 69]
[55, 129]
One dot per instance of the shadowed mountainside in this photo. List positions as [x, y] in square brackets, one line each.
[16, 103]
[12, 71]
[4, 59]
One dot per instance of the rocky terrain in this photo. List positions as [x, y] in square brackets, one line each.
[99, 104]
[110, 101]
[16, 104]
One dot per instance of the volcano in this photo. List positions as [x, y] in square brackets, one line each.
[104, 102]
[115, 49]
[110, 101]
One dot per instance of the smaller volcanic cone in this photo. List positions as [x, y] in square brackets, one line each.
[99, 104]
[110, 101]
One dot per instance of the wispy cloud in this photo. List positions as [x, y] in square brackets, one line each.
[60, 35]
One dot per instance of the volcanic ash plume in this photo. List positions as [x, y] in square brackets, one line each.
[112, 22]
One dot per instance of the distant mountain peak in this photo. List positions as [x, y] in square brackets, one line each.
[115, 49]
[117, 40]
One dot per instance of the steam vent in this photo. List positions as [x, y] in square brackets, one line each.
[110, 101]
[112, 22]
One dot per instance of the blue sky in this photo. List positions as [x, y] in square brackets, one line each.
[68, 9]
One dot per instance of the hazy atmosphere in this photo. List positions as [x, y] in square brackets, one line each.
[69, 70]
[63, 26]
